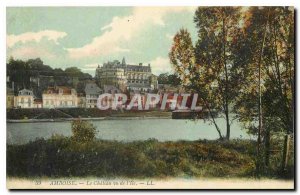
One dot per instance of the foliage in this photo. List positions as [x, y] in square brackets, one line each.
[223, 66]
[208, 68]
[21, 74]
[171, 79]
[268, 43]
[277, 69]
[243, 65]
[83, 131]
[182, 56]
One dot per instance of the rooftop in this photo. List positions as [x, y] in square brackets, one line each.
[56, 90]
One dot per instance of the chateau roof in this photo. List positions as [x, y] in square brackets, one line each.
[128, 67]
[138, 68]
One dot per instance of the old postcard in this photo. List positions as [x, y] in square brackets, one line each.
[150, 97]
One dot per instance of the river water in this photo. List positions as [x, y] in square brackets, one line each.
[127, 130]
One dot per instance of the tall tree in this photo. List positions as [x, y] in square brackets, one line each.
[269, 42]
[182, 57]
[218, 32]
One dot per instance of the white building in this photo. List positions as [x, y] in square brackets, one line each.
[125, 76]
[60, 97]
[24, 99]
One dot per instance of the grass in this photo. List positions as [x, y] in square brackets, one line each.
[63, 157]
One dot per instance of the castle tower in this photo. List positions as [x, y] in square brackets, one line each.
[123, 61]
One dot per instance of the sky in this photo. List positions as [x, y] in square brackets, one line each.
[87, 36]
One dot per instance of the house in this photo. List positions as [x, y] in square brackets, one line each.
[92, 92]
[81, 100]
[60, 97]
[38, 103]
[24, 99]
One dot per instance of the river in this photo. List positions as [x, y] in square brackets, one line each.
[127, 130]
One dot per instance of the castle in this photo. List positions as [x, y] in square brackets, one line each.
[125, 76]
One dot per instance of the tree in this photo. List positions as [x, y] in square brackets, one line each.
[171, 79]
[243, 64]
[83, 131]
[73, 72]
[208, 68]
[268, 43]
[182, 58]
[163, 78]
[174, 80]
[22, 72]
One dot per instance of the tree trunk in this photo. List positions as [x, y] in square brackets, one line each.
[227, 124]
[226, 83]
[213, 119]
[259, 158]
[267, 147]
[285, 153]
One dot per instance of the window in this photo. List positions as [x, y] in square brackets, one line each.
[22, 100]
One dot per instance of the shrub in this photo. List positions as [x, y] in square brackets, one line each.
[83, 131]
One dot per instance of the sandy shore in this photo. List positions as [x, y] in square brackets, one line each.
[98, 183]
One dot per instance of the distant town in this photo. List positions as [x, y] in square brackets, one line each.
[32, 84]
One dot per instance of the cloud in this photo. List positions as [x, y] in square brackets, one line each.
[93, 65]
[122, 36]
[169, 36]
[51, 35]
[123, 29]
[89, 68]
[161, 65]
[49, 51]
[31, 52]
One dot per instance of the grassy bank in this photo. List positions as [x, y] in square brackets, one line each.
[79, 112]
[63, 157]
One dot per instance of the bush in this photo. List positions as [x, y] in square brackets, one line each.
[83, 131]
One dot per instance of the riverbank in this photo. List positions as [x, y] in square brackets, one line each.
[69, 114]
[86, 119]
[168, 183]
[62, 157]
